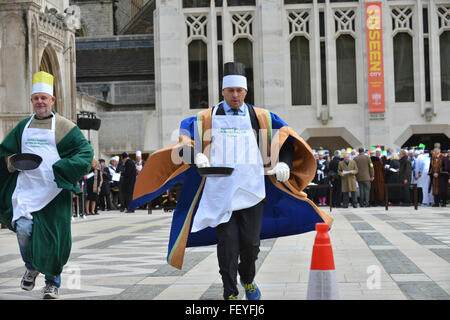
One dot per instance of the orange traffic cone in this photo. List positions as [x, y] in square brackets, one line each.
[322, 283]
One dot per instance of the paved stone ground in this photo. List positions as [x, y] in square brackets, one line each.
[382, 255]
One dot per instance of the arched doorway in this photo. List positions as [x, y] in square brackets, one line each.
[427, 134]
[331, 138]
[49, 63]
[428, 140]
[328, 143]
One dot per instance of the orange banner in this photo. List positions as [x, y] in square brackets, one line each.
[374, 41]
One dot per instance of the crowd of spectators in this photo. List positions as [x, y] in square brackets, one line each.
[363, 174]
[357, 175]
[108, 186]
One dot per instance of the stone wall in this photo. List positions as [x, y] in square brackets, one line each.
[97, 17]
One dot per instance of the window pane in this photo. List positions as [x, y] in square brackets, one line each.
[232, 3]
[297, 1]
[425, 20]
[346, 69]
[403, 68]
[243, 52]
[444, 41]
[322, 24]
[323, 72]
[198, 74]
[300, 72]
[426, 54]
[195, 3]
[220, 67]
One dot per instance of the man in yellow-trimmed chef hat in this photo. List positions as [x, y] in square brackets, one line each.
[42, 83]
[42, 94]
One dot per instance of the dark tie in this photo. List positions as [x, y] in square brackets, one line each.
[235, 112]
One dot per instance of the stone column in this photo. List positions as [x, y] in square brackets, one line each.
[168, 30]
[330, 49]
[271, 53]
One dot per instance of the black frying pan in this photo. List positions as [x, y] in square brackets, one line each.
[215, 171]
[25, 161]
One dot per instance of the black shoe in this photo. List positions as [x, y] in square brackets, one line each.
[130, 211]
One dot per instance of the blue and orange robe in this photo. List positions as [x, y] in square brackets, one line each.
[287, 211]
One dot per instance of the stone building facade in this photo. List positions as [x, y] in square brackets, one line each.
[307, 60]
[36, 35]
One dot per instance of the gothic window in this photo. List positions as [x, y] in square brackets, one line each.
[299, 57]
[196, 3]
[403, 54]
[444, 42]
[300, 71]
[426, 54]
[344, 20]
[323, 61]
[242, 24]
[242, 28]
[198, 61]
[444, 47]
[198, 74]
[346, 69]
[232, 3]
[243, 52]
[297, 1]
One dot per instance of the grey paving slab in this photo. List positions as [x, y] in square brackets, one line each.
[400, 225]
[141, 292]
[444, 253]
[384, 217]
[109, 242]
[374, 239]
[190, 260]
[422, 290]
[394, 261]
[359, 226]
[352, 217]
[423, 238]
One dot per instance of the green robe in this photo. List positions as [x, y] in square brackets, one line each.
[51, 240]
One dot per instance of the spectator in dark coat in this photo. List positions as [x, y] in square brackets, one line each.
[405, 176]
[444, 178]
[392, 176]
[127, 180]
[104, 201]
[335, 179]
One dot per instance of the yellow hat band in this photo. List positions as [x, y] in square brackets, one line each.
[43, 83]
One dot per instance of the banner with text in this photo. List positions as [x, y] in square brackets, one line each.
[374, 39]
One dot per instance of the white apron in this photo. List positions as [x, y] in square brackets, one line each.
[36, 188]
[233, 145]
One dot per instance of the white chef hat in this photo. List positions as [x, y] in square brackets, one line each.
[139, 153]
[42, 83]
[234, 75]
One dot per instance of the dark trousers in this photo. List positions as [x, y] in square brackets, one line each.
[345, 201]
[239, 239]
[337, 193]
[126, 200]
[364, 193]
[405, 195]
